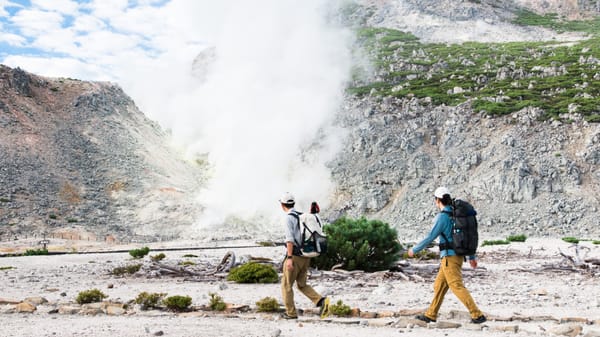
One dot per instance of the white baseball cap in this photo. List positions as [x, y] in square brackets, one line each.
[287, 198]
[440, 191]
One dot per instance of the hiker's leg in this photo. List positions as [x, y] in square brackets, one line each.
[307, 290]
[440, 288]
[455, 282]
[287, 283]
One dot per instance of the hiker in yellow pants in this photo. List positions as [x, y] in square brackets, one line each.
[450, 274]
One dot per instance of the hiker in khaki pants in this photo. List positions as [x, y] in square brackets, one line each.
[295, 266]
[450, 273]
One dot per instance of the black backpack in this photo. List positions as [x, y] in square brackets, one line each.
[465, 237]
[314, 243]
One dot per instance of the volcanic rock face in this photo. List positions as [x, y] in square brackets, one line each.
[524, 176]
[80, 155]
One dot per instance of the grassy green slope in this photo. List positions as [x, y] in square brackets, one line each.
[498, 78]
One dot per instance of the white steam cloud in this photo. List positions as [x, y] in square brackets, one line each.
[274, 85]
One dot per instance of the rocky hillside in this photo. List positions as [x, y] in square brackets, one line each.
[78, 159]
[510, 126]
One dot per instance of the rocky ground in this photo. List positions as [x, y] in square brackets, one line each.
[524, 288]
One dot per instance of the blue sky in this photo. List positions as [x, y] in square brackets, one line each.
[92, 39]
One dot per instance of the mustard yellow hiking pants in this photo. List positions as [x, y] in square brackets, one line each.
[299, 275]
[450, 277]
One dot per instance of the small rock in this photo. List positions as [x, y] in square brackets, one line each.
[507, 328]
[447, 325]
[539, 292]
[159, 333]
[110, 286]
[68, 310]
[35, 300]
[570, 330]
[25, 307]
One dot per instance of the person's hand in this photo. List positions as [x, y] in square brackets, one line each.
[289, 264]
[410, 252]
[473, 263]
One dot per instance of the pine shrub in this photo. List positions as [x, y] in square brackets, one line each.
[139, 253]
[268, 304]
[494, 242]
[90, 296]
[570, 239]
[253, 272]
[216, 302]
[32, 252]
[340, 309]
[158, 257]
[360, 244]
[177, 303]
[149, 300]
[517, 238]
[130, 269]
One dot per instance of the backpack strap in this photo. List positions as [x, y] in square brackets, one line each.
[318, 221]
[448, 244]
[297, 216]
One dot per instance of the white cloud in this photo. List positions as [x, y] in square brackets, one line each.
[87, 23]
[106, 9]
[12, 39]
[67, 7]
[58, 67]
[33, 22]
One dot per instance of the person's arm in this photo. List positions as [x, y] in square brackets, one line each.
[289, 241]
[433, 234]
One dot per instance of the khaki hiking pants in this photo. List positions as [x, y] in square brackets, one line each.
[450, 277]
[298, 275]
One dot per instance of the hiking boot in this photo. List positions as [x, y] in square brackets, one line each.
[479, 319]
[324, 312]
[424, 318]
[286, 316]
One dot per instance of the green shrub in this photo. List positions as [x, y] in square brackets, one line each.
[360, 244]
[177, 303]
[253, 272]
[31, 252]
[149, 300]
[268, 304]
[71, 220]
[596, 242]
[190, 255]
[139, 253]
[52, 216]
[158, 257]
[7, 268]
[425, 254]
[131, 269]
[570, 239]
[90, 296]
[187, 263]
[494, 242]
[340, 309]
[216, 302]
[516, 238]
